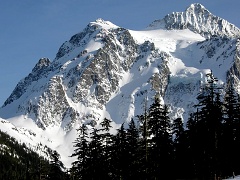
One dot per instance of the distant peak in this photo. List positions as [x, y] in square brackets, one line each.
[99, 20]
[103, 23]
[196, 8]
[199, 20]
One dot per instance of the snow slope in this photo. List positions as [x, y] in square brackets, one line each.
[109, 71]
[25, 131]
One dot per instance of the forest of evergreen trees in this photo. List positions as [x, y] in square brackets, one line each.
[207, 146]
[18, 162]
[150, 146]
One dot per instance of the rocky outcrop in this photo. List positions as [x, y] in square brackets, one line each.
[37, 73]
[107, 70]
[233, 74]
[197, 19]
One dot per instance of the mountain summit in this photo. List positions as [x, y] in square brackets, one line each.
[199, 20]
[105, 64]
[109, 71]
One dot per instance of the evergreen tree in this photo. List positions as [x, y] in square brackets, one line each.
[95, 156]
[56, 167]
[182, 158]
[207, 130]
[193, 138]
[237, 139]
[80, 166]
[230, 131]
[43, 169]
[17, 161]
[161, 151]
[143, 145]
[120, 154]
[133, 149]
[107, 141]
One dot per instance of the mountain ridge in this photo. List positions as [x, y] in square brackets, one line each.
[95, 42]
[198, 19]
[109, 71]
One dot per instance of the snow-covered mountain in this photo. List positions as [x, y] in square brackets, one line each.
[199, 20]
[109, 71]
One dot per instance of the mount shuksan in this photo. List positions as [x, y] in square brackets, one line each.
[109, 71]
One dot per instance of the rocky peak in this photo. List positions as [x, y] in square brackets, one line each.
[197, 8]
[199, 20]
[106, 66]
[104, 24]
[37, 73]
[108, 71]
[42, 64]
[81, 39]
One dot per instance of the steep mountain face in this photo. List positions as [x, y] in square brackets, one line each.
[109, 71]
[197, 19]
[88, 70]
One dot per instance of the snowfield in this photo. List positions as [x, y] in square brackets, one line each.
[179, 57]
[26, 131]
[181, 45]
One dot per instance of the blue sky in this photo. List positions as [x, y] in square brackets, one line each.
[32, 29]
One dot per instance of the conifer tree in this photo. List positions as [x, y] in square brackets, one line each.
[56, 167]
[95, 168]
[133, 148]
[181, 152]
[207, 130]
[230, 128]
[107, 142]
[80, 166]
[120, 154]
[143, 144]
[161, 151]
[237, 140]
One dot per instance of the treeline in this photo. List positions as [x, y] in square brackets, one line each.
[150, 146]
[18, 162]
[154, 147]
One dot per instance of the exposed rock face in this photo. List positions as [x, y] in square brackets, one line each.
[233, 75]
[106, 70]
[81, 76]
[197, 19]
[37, 73]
